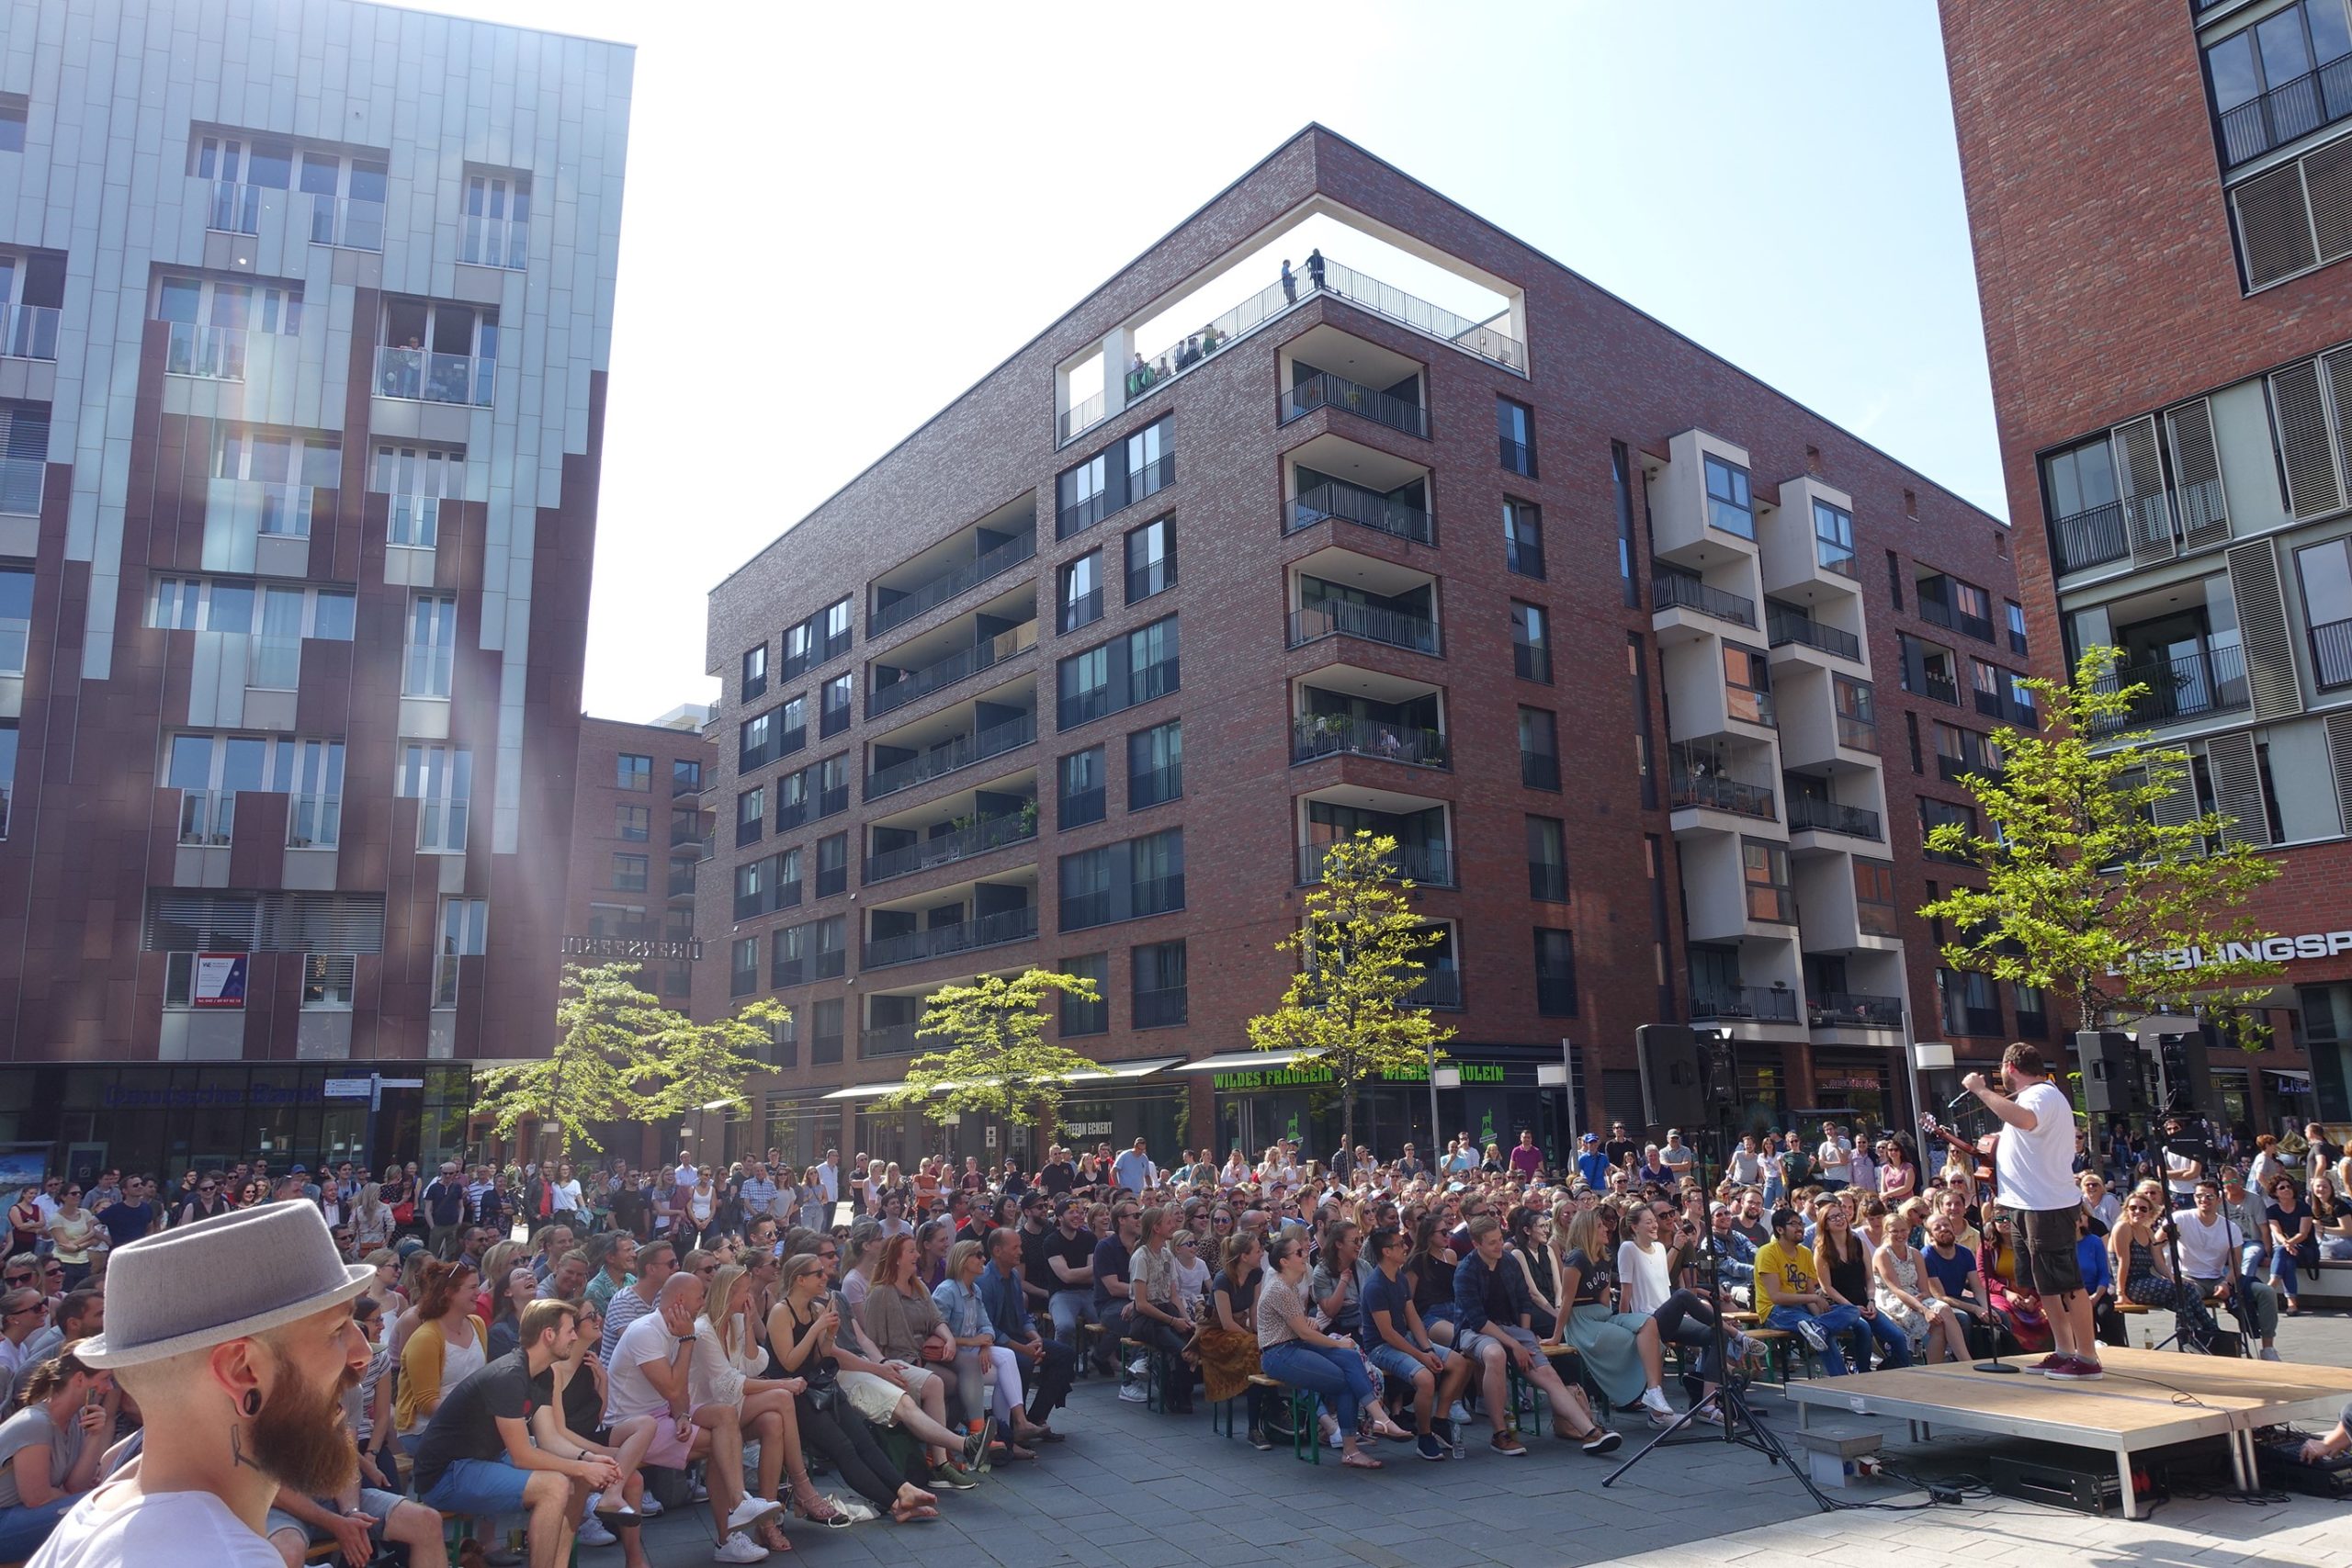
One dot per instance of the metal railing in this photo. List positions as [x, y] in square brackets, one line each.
[2331, 652]
[16, 638]
[1354, 504]
[989, 931]
[1785, 626]
[2091, 538]
[1431, 865]
[1325, 390]
[1846, 1009]
[494, 242]
[961, 753]
[1858, 734]
[414, 521]
[1337, 617]
[1439, 988]
[1716, 793]
[28, 332]
[1331, 735]
[2293, 109]
[207, 815]
[1804, 811]
[2192, 686]
[416, 375]
[969, 659]
[21, 482]
[1160, 1009]
[1000, 557]
[974, 839]
[1761, 1004]
[347, 222]
[273, 663]
[211, 354]
[1669, 589]
[314, 821]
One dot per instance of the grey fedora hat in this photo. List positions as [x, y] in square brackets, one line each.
[221, 1279]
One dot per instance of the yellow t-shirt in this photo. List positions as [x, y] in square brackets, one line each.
[1783, 1271]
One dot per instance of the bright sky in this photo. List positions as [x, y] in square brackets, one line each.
[839, 216]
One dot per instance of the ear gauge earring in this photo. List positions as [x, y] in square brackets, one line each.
[252, 1402]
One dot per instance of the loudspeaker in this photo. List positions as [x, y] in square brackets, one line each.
[2184, 1049]
[1673, 1080]
[2111, 1072]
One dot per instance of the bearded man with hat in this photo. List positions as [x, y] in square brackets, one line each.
[234, 1335]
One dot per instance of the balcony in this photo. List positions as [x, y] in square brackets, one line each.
[414, 374]
[1325, 390]
[1806, 811]
[932, 591]
[347, 223]
[2091, 538]
[1785, 626]
[208, 354]
[2291, 109]
[1439, 988]
[989, 931]
[1714, 792]
[967, 660]
[208, 816]
[494, 242]
[1429, 865]
[1332, 735]
[2331, 651]
[1841, 1009]
[2192, 686]
[1366, 508]
[1755, 1004]
[961, 753]
[1670, 590]
[1160, 1009]
[886, 1040]
[1344, 617]
[28, 332]
[962, 843]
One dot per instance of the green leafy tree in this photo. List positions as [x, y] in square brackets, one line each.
[998, 1061]
[2099, 880]
[1358, 949]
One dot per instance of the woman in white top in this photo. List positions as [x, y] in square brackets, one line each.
[728, 1353]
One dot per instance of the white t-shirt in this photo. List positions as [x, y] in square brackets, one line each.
[629, 1393]
[2036, 1168]
[109, 1528]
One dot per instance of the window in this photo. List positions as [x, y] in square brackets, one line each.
[437, 351]
[1157, 971]
[1523, 538]
[1729, 506]
[799, 649]
[2268, 86]
[497, 227]
[418, 479]
[1531, 643]
[1833, 538]
[1151, 560]
[1079, 1016]
[1748, 684]
[1082, 799]
[1771, 895]
[833, 865]
[1152, 461]
[1874, 906]
[432, 647]
[629, 873]
[633, 824]
[832, 785]
[1155, 765]
[1515, 431]
[2325, 572]
[635, 773]
[1555, 973]
[686, 777]
[1539, 748]
[275, 474]
[1082, 592]
[751, 816]
[833, 717]
[1622, 492]
[1548, 860]
[755, 673]
[440, 778]
[463, 928]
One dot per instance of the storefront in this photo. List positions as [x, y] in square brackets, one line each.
[1126, 1101]
[1491, 1092]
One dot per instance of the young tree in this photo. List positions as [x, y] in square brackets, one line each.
[1358, 949]
[2102, 879]
[996, 1062]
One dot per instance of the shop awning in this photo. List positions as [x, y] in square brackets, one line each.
[1112, 1072]
[1242, 1062]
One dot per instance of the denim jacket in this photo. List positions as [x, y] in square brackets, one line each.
[1470, 1276]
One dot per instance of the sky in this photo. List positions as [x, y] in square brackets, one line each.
[838, 217]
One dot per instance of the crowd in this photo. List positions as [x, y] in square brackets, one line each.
[576, 1349]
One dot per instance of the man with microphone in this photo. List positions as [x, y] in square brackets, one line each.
[2033, 1166]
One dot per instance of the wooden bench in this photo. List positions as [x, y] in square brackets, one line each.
[1305, 1441]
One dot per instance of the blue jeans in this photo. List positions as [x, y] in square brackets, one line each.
[1338, 1376]
[22, 1529]
[1837, 1323]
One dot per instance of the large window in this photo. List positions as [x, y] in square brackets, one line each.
[1530, 642]
[432, 645]
[1728, 505]
[1155, 765]
[1770, 893]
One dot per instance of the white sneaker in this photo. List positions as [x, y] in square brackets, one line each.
[750, 1511]
[740, 1548]
[593, 1533]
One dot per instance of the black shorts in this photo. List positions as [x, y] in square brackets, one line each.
[2044, 1243]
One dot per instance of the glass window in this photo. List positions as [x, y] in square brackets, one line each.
[1729, 506]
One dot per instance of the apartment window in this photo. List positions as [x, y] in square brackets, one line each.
[1515, 430]
[799, 649]
[1895, 578]
[2269, 81]
[634, 772]
[1530, 642]
[1523, 538]
[2325, 573]
[1155, 765]
[1548, 860]
[1874, 906]
[1079, 1016]
[1158, 972]
[432, 647]
[1770, 893]
[1555, 973]
[755, 673]
[418, 479]
[1539, 748]
[686, 777]
[1152, 461]
[1151, 560]
[497, 227]
[277, 475]
[1082, 592]
[743, 967]
[629, 874]
[833, 865]
[633, 824]
[1621, 483]
[751, 816]
[1083, 798]
[832, 785]
[1833, 538]
[465, 928]
[1748, 684]
[1728, 505]
[1638, 672]
[441, 780]
[833, 714]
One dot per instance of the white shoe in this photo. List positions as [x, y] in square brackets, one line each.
[750, 1511]
[593, 1533]
[2270, 1352]
[740, 1548]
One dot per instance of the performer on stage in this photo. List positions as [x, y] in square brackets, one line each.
[2033, 1164]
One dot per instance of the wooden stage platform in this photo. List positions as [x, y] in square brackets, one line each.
[2149, 1399]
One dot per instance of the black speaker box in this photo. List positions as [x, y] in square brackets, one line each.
[1673, 1078]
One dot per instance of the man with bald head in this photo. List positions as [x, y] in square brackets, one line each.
[648, 1377]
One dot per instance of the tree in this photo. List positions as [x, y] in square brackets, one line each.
[2102, 880]
[1358, 949]
[997, 1062]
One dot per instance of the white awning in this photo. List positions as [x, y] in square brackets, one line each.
[1112, 1072]
[1243, 1062]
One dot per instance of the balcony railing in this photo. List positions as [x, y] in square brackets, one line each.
[1670, 589]
[1325, 390]
[213, 353]
[1842, 1009]
[348, 223]
[2331, 651]
[967, 660]
[2091, 538]
[1160, 1009]
[314, 821]
[1331, 735]
[886, 1040]
[414, 375]
[1804, 811]
[21, 482]
[2192, 686]
[989, 931]
[1716, 793]
[1344, 617]
[207, 815]
[1439, 988]
[1786, 627]
[414, 521]
[997, 559]
[16, 638]
[2290, 110]
[975, 839]
[1760, 1004]
[1857, 734]
[1539, 770]
[28, 332]
[961, 753]
[1353, 503]
[494, 242]
[1430, 865]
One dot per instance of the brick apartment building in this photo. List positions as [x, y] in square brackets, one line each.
[2157, 189]
[1648, 668]
[307, 310]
